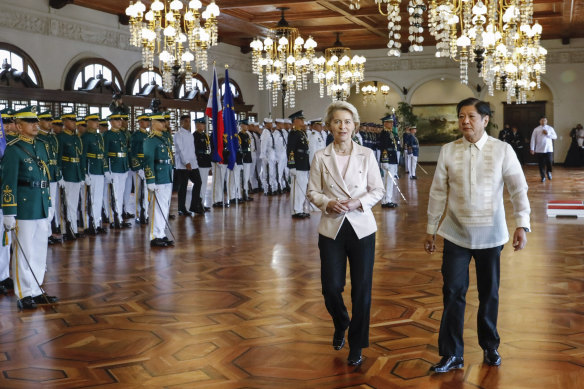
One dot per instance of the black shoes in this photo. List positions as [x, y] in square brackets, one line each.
[45, 299]
[492, 357]
[6, 286]
[549, 175]
[101, 230]
[185, 213]
[447, 364]
[389, 205]
[355, 357]
[413, 178]
[543, 179]
[26, 303]
[161, 242]
[128, 215]
[218, 204]
[54, 240]
[338, 339]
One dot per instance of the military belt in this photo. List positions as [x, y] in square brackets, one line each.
[34, 184]
[140, 155]
[119, 155]
[97, 156]
[163, 161]
[52, 162]
[70, 159]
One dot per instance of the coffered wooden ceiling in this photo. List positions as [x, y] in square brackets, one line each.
[242, 20]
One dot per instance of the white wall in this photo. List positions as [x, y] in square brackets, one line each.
[56, 39]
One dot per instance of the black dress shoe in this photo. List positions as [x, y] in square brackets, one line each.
[172, 216]
[157, 242]
[126, 224]
[26, 303]
[384, 205]
[413, 177]
[543, 179]
[185, 213]
[207, 209]
[355, 357]
[79, 235]
[6, 286]
[198, 211]
[549, 175]
[91, 231]
[69, 236]
[447, 364]
[339, 339]
[297, 216]
[218, 204]
[101, 230]
[492, 357]
[127, 215]
[168, 241]
[306, 215]
[45, 299]
[392, 205]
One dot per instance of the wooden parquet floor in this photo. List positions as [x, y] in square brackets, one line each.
[237, 304]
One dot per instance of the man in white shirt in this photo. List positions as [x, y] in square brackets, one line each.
[542, 146]
[316, 138]
[268, 158]
[469, 179]
[187, 167]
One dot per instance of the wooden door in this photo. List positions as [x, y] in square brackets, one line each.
[526, 118]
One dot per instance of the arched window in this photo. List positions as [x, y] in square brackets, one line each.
[143, 78]
[89, 72]
[199, 84]
[235, 89]
[19, 61]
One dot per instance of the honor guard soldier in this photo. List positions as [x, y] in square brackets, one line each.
[220, 175]
[94, 169]
[106, 207]
[316, 138]
[126, 214]
[405, 142]
[413, 150]
[245, 143]
[268, 158]
[46, 135]
[255, 168]
[137, 165]
[26, 204]
[82, 205]
[70, 159]
[187, 167]
[9, 125]
[203, 152]
[298, 163]
[158, 162]
[168, 137]
[116, 157]
[389, 159]
[6, 283]
[234, 180]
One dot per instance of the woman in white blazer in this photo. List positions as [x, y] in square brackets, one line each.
[345, 184]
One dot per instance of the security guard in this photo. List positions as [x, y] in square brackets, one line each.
[137, 165]
[389, 159]
[298, 163]
[203, 152]
[46, 135]
[26, 204]
[116, 157]
[158, 162]
[70, 159]
[94, 169]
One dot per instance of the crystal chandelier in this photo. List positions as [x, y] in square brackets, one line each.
[285, 66]
[177, 36]
[499, 36]
[337, 71]
[416, 9]
[369, 92]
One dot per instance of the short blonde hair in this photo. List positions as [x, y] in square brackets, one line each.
[341, 106]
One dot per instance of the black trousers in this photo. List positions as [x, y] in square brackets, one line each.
[544, 160]
[455, 263]
[182, 177]
[333, 268]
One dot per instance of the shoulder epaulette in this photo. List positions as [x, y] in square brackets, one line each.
[13, 141]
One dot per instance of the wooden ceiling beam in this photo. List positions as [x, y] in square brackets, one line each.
[227, 4]
[349, 15]
[274, 17]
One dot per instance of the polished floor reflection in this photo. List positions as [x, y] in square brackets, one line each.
[237, 304]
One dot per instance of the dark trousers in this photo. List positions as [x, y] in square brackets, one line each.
[182, 177]
[333, 268]
[544, 160]
[455, 263]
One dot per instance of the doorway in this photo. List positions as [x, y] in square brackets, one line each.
[525, 117]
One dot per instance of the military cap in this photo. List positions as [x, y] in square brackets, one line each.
[124, 116]
[103, 122]
[387, 118]
[185, 116]
[81, 122]
[116, 114]
[166, 115]
[244, 121]
[267, 120]
[57, 121]
[296, 115]
[157, 116]
[144, 116]
[70, 116]
[7, 115]
[280, 120]
[46, 115]
[288, 121]
[200, 120]
[316, 121]
[92, 116]
[27, 113]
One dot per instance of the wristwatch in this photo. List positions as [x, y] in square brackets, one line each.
[525, 229]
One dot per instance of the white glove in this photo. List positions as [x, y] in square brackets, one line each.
[87, 180]
[293, 172]
[108, 177]
[151, 187]
[51, 213]
[141, 174]
[61, 183]
[9, 222]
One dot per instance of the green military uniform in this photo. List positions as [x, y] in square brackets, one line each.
[137, 165]
[8, 117]
[158, 159]
[116, 151]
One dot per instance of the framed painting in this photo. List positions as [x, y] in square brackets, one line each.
[437, 123]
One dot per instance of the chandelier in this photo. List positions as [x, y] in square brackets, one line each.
[177, 36]
[337, 71]
[369, 92]
[416, 9]
[280, 62]
[499, 36]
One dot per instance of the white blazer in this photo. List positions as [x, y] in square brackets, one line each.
[362, 181]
